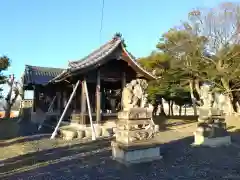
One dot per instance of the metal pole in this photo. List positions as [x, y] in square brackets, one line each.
[89, 111]
[65, 110]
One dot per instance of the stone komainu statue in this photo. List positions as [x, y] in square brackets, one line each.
[134, 94]
[206, 96]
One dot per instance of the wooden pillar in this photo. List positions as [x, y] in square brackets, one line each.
[98, 97]
[61, 102]
[123, 84]
[35, 99]
[123, 79]
[74, 103]
[58, 94]
[24, 94]
[64, 99]
[83, 103]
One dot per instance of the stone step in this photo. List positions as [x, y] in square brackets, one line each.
[69, 132]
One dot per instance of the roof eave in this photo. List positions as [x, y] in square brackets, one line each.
[146, 74]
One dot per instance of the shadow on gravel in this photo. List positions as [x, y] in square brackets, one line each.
[92, 160]
[24, 139]
[51, 154]
[166, 122]
[12, 131]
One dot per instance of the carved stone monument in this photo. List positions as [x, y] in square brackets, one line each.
[211, 129]
[135, 128]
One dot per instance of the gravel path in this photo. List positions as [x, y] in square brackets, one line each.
[92, 160]
[180, 161]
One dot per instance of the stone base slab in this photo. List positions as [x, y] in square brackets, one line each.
[211, 142]
[128, 155]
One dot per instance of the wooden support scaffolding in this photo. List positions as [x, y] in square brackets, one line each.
[67, 106]
[65, 110]
[89, 110]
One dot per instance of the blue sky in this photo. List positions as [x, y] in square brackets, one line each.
[52, 32]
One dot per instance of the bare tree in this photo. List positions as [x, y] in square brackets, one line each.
[221, 28]
[15, 90]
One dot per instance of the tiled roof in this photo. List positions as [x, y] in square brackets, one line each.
[97, 55]
[39, 75]
[97, 58]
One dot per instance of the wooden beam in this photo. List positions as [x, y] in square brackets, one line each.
[98, 97]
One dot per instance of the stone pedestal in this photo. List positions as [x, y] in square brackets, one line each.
[134, 142]
[211, 142]
[212, 133]
[136, 153]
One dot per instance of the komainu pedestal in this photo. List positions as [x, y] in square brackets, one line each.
[211, 131]
[135, 137]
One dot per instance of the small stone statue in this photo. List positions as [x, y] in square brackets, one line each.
[206, 96]
[222, 101]
[207, 99]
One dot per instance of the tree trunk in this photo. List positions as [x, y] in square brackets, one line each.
[162, 108]
[9, 99]
[197, 86]
[185, 110]
[171, 107]
[229, 96]
[235, 106]
[192, 97]
[7, 110]
[180, 110]
[154, 112]
[235, 101]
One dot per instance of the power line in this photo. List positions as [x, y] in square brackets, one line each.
[101, 23]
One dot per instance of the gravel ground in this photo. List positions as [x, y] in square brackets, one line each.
[180, 161]
[92, 161]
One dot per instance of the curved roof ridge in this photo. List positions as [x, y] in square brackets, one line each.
[43, 67]
[96, 52]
